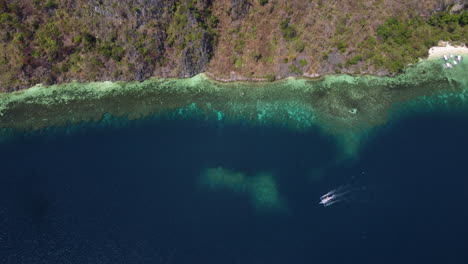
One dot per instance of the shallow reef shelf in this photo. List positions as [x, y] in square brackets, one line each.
[346, 106]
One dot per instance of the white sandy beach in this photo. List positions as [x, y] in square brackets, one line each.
[444, 48]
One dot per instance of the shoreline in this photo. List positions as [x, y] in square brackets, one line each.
[446, 48]
[211, 77]
[435, 52]
[342, 105]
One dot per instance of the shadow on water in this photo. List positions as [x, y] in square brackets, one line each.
[132, 195]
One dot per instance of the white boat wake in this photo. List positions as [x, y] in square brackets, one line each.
[342, 193]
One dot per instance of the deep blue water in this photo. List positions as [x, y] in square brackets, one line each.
[131, 195]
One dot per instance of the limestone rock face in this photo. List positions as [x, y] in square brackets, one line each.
[57, 41]
[196, 40]
[239, 8]
[195, 59]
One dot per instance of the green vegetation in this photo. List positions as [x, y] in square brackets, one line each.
[354, 60]
[238, 62]
[182, 32]
[111, 50]
[289, 31]
[48, 39]
[324, 56]
[270, 77]
[303, 62]
[401, 41]
[342, 46]
[51, 40]
[51, 4]
[396, 31]
[89, 41]
[294, 69]
[178, 25]
[239, 45]
[300, 46]
[445, 19]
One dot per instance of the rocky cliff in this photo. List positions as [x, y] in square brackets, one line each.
[53, 41]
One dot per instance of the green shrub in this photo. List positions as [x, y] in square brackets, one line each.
[48, 39]
[294, 69]
[464, 18]
[444, 19]
[394, 65]
[89, 41]
[239, 45]
[18, 37]
[371, 41]
[342, 46]
[324, 56]
[300, 46]
[395, 30]
[178, 24]
[7, 18]
[303, 62]
[51, 4]
[239, 62]
[111, 50]
[96, 62]
[263, 2]
[270, 77]
[213, 20]
[289, 31]
[354, 60]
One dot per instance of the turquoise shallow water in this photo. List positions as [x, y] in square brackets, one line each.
[187, 171]
[344, 106]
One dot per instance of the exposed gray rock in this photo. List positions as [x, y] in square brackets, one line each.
[460, 5]
[194, 59]
[240, 8]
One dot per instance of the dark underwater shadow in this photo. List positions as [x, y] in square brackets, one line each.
[98, 190]
[417, 166]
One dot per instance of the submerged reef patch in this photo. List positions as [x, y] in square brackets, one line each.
[261, 188]
[345, 106]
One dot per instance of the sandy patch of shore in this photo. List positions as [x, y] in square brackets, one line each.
[445, 48]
